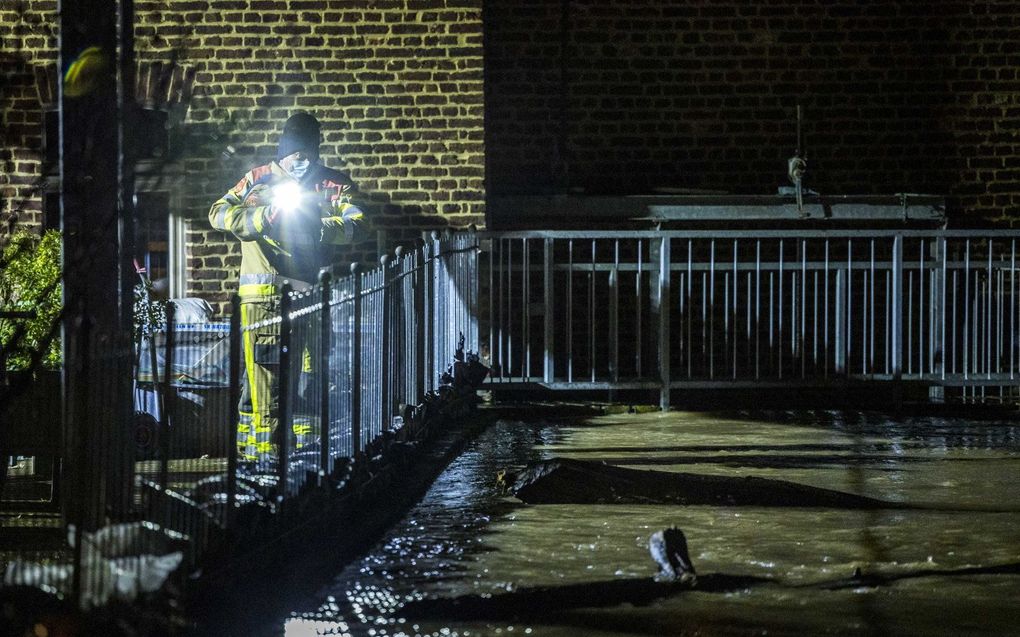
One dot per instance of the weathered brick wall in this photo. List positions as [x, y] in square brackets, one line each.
[625, 96]
[396, 84]
[27, 38]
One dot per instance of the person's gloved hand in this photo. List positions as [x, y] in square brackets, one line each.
[343, 218]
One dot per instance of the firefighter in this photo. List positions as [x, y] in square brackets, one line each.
[288, 215]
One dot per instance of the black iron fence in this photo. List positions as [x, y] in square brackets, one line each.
[361, 355]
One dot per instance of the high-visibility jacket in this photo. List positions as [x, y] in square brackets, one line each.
[278, 244]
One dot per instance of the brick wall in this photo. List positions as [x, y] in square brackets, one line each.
[27, 38]
[396, 84]
[625, 96]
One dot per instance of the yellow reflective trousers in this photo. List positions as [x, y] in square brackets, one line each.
[259, 408]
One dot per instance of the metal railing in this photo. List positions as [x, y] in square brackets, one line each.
[753, 308]
[358, 352]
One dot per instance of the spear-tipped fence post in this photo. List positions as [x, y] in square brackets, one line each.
[164, 413]
[325, 338]
[356, 364]
[78, 447]
[387, 303]
[232, 407]
[421, 281]
[284, 425]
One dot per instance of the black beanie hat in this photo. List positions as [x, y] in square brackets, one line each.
[300, 132]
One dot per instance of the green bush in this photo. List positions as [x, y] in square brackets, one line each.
[30, 281]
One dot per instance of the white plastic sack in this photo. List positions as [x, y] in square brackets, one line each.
[191, 310]
[120, 562]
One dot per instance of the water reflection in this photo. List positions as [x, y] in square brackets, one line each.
[465, 538]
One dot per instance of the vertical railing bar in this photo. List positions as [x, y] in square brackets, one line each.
[726, 319]
[944, 258]
[408, 301]
[492, 304]
[711, 310]
[803, 308]
[526, 307]
[977, 326]
[430, 321]
[285, 407]
[548, 282]
[234, 399]
[988, 314]
[591, 314]
[735, 287]
[871, 314]
[956, 283]
[421, 280]
[386, 279]
[356, 351]
[910, 322]
[888, 300]
[825, 313]
[614, 308]
[637, 324]
[404, 359]
[839, 351]
[325, 338]
[932, 306]
[814, 323]
[704, 304]
[849, 303]
[897, 312]
[501, 309]
[921, 270]
[779, 313]
[510, 310]
[476, 292]
[772, 305]
[735, 292]
[570, 311]
[794, 327]
[975, 330]
[504, 328]
[966, 309]
[664, 323]
[865, 309]
[78, 447]
[474, 261]
[1012, 309]
[689, 317]
[380, 373]
[747, 335]
[165, 400]
[999, 322]
[684, 318]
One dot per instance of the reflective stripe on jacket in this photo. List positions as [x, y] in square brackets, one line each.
[275, 249]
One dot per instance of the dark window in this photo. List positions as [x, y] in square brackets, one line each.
[51, 142]
[51, 210]
[152, 210]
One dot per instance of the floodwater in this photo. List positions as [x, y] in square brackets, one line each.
[465, 538]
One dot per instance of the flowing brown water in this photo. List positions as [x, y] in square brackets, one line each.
[465, 538]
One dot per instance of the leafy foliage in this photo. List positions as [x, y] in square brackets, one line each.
[150, 312]
[30, 281]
